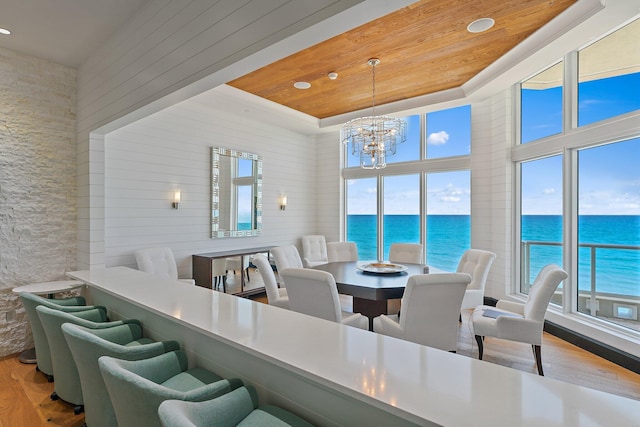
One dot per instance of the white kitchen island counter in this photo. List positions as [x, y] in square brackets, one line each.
[332, 374]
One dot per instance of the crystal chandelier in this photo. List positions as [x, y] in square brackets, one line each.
[374, 138]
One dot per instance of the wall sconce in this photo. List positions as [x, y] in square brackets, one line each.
[283, 203]
[176, 200]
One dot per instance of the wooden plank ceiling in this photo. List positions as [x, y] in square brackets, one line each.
[423, 48]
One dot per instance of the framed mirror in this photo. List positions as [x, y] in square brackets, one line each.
[236, 193]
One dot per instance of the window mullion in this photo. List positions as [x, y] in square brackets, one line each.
[570, 98]
[380, 217]
[570, 230]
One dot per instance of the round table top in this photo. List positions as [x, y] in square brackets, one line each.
[49, 287]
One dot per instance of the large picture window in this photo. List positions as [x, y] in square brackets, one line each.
[362, 216]
[609, 76]
[444, 227]
[449, 132]
[448, 218]
[401, 210]
[541, 104]
[580, 192]
[609, 232]
[540, 219]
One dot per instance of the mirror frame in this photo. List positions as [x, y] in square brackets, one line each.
[216, 233]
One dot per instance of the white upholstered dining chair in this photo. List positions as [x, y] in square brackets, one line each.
[342, 251]
[275, 295]
[159, 262]
[477, 263]
[314, 250]
[240, 263]
[406, 252]
[314, 292]
[430, 310]
[516, 321]
[286, 257]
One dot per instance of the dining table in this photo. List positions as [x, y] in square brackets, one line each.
[370, 286]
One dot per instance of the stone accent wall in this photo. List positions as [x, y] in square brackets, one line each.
[37, 183]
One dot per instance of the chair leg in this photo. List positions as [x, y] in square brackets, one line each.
[537, 350]
[224, 284]
[480, 346]
[247, 271]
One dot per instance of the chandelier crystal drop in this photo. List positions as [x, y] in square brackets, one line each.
[374, 138]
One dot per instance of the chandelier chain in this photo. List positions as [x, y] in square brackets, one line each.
[373, 89]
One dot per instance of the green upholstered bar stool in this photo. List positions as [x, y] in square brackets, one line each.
[237, 408]
[137, 388]
[67, 380]
[87, 345]
[30, 301]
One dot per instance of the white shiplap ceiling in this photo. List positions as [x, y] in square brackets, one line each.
[62, 31]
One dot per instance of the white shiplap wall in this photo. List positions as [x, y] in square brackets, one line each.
[329, 187]
[145, 162]
[491, 187]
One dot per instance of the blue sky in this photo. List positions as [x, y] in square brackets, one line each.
[609, 175]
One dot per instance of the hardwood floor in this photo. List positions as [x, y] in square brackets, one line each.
[24, 393]
[24, 399]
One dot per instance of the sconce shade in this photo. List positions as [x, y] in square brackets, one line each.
[176, 200]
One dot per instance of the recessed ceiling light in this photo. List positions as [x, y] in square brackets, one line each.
[4, 31]
[302, 85]
[480, 25]
[333, 75]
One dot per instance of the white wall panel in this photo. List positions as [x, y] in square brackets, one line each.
[491, 181]
[329, 188]
[147, 160]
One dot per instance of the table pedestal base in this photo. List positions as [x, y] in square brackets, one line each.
[370, 308]
[28, 356]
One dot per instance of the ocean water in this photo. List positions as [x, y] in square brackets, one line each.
[617, 270]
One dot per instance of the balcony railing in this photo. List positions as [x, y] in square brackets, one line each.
[617, 307]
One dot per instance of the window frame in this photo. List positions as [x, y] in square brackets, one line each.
[568, 144]
[422, 167]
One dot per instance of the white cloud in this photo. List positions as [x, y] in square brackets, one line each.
[549, 191]
[438, 138]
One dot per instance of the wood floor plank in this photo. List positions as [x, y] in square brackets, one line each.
[36, 391]
[16, 409]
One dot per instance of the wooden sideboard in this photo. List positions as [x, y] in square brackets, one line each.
[202, 268]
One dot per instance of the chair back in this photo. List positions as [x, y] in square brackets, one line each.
[342, 251]
[87, 345]
[312, 292]
[540, 293]
[219, 267]
[286, 257]
[30, 302]
[269, 279]
[314, 250]
[430, 309]
[66, 377]
[138, 387]
[157, 261]
[406, 252]
[476, 263]
[135, 387]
